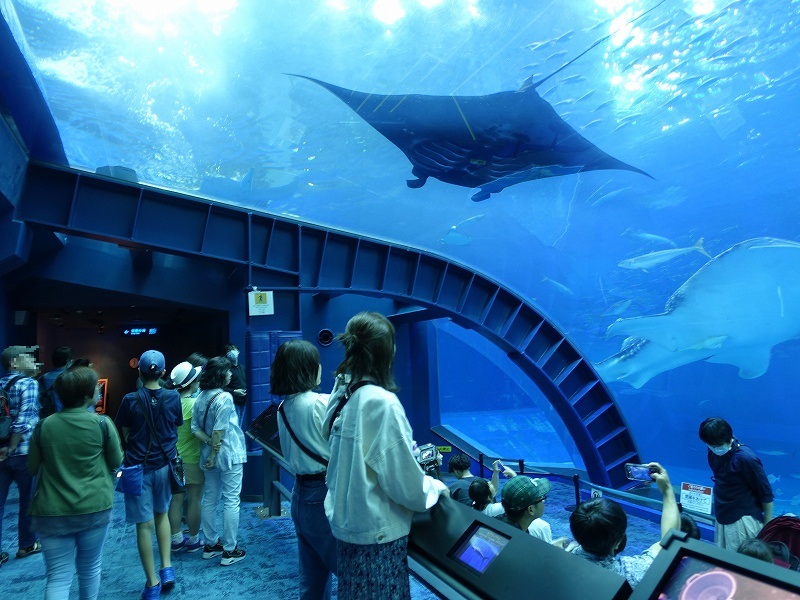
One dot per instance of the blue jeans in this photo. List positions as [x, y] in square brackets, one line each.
[64, 553]
[316, 545]
[15, 468]
[225, 486]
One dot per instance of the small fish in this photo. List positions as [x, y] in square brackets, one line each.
[559, 286]
[652, 259]
[564, 37]
[649, 237]
[608, 196]
[605, 104]
[773, 452]
[558, 54]
[573, 79]
[617, 308]
[773, 479]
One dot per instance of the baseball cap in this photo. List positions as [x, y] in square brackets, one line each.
[152, 361]
[521, 491]
[183, 374]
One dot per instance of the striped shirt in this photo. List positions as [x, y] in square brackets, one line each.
[23, 399]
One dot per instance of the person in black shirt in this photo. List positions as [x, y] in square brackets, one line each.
[238, 384]
[742, 493]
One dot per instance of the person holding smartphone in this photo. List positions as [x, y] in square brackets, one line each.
[598, 526]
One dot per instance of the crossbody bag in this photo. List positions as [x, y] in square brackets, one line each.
[297, 441]
[177, 480]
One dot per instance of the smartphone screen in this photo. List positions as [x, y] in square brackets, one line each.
[638, 472]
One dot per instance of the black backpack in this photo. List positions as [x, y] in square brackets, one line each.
[47, 400]
[6, 418]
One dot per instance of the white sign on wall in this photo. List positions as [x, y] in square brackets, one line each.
[260, 303]
[696, 497]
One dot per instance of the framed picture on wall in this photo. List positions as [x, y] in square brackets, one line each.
[102, 387]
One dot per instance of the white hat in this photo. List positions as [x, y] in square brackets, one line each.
[184, 374]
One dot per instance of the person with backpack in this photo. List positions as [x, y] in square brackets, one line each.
[19, 414]
[49, 401]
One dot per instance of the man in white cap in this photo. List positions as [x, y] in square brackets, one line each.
[149, 410]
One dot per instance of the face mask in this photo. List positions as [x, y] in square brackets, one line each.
[720, 450]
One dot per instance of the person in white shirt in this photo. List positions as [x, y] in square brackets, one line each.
[480, 491]
[375, 484]
[222, 457]
[295, 373]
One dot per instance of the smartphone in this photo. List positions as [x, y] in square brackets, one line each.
[638, 472]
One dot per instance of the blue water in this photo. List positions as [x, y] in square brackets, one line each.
[702, 95]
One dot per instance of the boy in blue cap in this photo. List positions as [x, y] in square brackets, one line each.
[151, 409]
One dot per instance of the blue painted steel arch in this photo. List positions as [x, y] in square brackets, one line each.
[285, 255]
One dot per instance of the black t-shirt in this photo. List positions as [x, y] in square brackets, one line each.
[238, 381]
[460, 491]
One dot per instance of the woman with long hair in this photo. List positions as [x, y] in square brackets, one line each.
[295, 373]
[375, 484]
[74, 453]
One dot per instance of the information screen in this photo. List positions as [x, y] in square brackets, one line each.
[481, 546]
[139, 331]
[695, 578]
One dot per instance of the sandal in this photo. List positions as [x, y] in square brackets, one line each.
[23, 552]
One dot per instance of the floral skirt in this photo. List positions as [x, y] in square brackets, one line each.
[374, 571]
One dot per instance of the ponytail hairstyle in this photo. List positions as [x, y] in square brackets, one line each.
[368, 342]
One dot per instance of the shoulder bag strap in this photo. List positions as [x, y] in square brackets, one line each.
[149, 420]
[104, 428]
[347, 395]
[297, 441]
[208, 407]
[7, 388]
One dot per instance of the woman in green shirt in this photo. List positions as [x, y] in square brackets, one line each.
[74, 453]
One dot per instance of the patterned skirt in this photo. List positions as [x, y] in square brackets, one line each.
[374, 571]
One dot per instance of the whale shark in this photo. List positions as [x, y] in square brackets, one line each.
[733, 310]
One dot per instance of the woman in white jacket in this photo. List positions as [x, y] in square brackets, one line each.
[374, 482]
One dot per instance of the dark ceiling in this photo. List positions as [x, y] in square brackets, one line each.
[78, 307]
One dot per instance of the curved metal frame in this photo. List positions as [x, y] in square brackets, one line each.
[284, 255]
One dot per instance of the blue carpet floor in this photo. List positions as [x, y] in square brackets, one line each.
[269, 570]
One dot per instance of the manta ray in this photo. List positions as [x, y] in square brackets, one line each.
[489, 142]
[732, 311]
